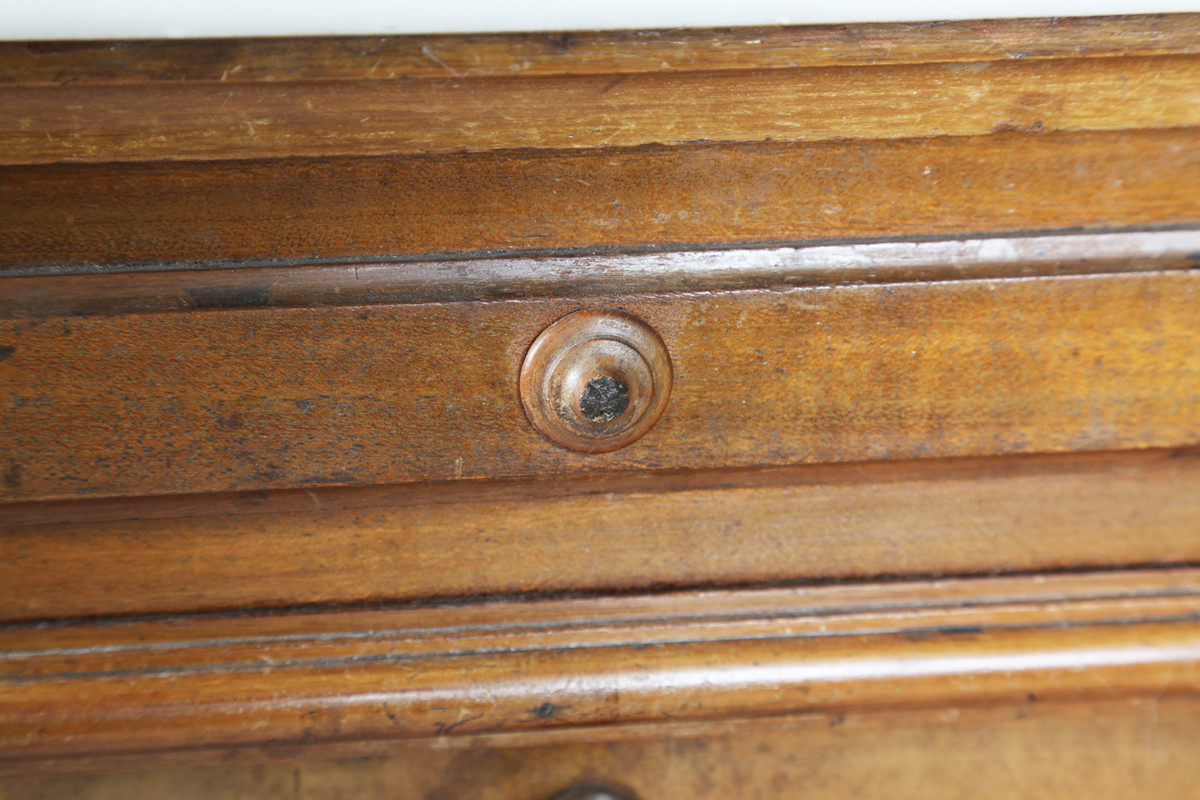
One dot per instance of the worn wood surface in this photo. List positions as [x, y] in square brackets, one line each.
[47, 648]
[385, 59]
[598, 533]
[585, 484]
[688, 197]
[353, 543]
[1117, 750]
[590, 663]
[192, 121]
[285, 398]
[86, 293]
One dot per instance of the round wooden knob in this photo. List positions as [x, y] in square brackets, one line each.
[595, 380]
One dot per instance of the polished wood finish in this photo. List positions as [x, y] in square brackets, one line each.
[530, 201]
[596, 380]
[600, 533]
[286, 398]
[39, 649]
[568, 666]
[82, 294]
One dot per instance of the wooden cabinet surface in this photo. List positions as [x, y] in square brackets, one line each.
[915, 510]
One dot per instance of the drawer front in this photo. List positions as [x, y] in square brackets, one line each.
[284, 398]
[879, 472]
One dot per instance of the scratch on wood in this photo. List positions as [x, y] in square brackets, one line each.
[428, 52]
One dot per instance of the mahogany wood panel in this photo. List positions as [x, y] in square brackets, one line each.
[284, 398]
[598, 533]
[191, 121]
[364, 58]
[1116, 750]
[154, 696]
[588, 276]
[686, 197]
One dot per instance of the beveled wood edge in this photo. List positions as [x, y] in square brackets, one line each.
[658, 532]
[78, 290]
[464, 627]
[1143, 704]
[458, 492]
[175, 121]
[1053, 639]
[277, 213]
[391, 58]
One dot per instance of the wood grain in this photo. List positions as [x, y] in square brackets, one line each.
[260, 120]
[597, 533]
[307, 517]
[385, 59]
[300, 211]
[152, 699]
[62, 293]
[286, 398]
[582, 484]
[43, 649]
[1115, 750]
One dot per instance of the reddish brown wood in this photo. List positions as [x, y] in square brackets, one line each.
[356, 523]
[698, 196]
[38, 650]
[587, 484]
[285, 398]
[286, 59]
[271, 120]
[86, 293]
[604, 533]
[562, 381]
[151, 699]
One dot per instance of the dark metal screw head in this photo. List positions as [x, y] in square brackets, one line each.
[604, 398]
